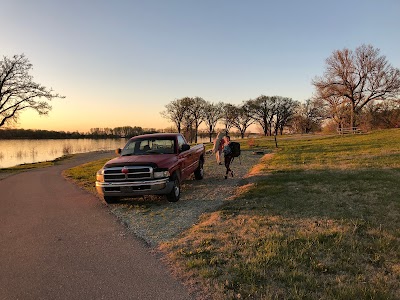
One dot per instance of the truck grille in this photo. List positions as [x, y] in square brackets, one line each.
[127, 173]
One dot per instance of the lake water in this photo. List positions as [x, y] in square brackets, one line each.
[16, 152]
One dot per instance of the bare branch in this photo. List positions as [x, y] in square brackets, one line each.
[360, 77]
[18, 91]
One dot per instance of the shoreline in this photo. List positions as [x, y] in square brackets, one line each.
[9, 171]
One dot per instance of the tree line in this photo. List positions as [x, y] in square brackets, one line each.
[94, 133]
[276, 114]
[123, 131]
[271, 113]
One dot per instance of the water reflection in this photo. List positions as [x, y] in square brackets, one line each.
[33, 154]
[16, 152]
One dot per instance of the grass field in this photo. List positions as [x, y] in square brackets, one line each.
[321, 221]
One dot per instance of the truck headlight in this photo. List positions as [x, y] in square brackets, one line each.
[161, 174]
[100, 175]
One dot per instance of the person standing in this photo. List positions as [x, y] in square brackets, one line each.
[228, 157]
[218, 147]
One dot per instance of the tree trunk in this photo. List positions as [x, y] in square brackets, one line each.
[352, 120]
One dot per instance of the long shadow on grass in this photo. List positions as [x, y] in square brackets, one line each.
[372, 195]
[309, 234]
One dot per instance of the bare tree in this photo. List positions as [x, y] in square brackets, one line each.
[309, 116]
[212, 114]
[187, 113]
[381, 115]
[263, 111]
[188, 120]
[242, 117]
[175, 112]
[18, 91]
[359, 77]
[284, 111]
[336, 108]
[228, 115]
[196, 110]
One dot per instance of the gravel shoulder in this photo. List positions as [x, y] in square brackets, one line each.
[155, 220]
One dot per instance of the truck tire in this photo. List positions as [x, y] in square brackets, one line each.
[199, 172]
[111, 199]
[175, 194]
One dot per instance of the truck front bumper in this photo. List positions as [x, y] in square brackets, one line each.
[131, 189]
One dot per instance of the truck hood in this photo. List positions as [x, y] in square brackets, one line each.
[156, 160]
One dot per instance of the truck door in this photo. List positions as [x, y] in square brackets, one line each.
[185, 158]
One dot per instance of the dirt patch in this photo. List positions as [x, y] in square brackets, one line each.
[156, 220]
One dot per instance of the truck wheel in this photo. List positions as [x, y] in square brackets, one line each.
[199, 172]
[175, 194]
[111, 199]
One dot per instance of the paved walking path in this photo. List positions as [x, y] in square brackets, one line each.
[59, 242]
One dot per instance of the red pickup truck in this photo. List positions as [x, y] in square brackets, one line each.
[151, 164]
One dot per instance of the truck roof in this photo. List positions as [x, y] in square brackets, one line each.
[156, 135]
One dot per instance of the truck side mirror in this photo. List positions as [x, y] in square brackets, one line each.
[185, 147]
[118, 151]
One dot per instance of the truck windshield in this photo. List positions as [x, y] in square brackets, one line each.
[149, 146]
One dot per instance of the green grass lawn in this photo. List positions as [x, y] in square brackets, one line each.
[322, 221]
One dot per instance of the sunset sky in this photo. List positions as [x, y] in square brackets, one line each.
[120, 62]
